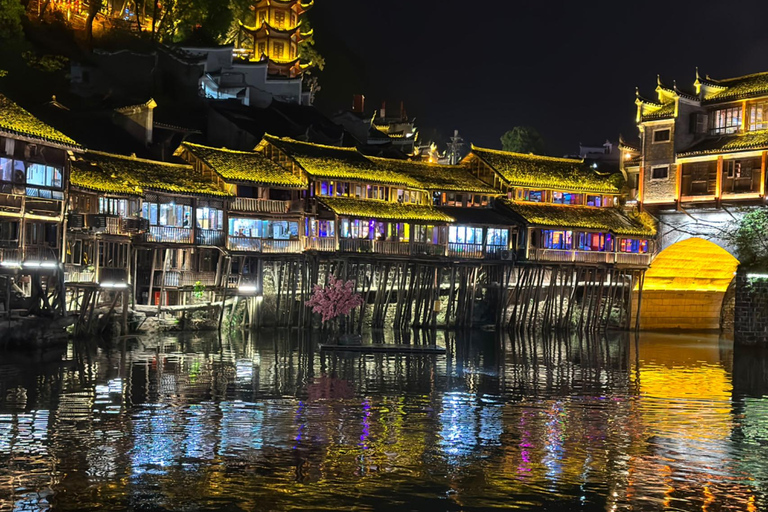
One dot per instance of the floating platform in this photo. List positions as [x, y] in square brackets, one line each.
[387, 348]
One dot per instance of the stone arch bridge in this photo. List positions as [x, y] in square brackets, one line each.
[688, 285]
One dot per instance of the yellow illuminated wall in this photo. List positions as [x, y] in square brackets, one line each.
[685, 285]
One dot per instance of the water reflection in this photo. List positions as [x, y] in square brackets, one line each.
[267, 422]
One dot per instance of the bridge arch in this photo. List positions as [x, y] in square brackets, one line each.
[685, 286]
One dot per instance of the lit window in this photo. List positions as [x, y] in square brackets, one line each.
[277, 50]
[726, 120]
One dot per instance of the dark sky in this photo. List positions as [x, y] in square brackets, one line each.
[567, 68]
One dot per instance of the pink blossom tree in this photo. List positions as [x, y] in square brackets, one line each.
[337, 299]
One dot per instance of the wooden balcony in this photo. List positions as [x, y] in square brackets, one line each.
[355, 245]
[321, 244]
[246, 244]
[79, 274]
[184, 278]
[470, 251]
[576, 256]
[638, 260]
[11, 254]
[425, 249]
[251, 205]
[391, 248]
[165, 234]
[209, 237]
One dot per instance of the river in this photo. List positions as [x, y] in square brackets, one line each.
[267, 422]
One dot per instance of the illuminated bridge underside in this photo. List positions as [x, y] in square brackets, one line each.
[685, 286]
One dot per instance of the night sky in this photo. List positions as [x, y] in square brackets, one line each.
[569, 69]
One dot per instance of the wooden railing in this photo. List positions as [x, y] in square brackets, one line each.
[264, 245]
[79, 274]
[425, 249]
[495, 252]
[576, 256]
[165, 234]
[282, 246]
[625, 258]
[456, 250]
[181, 278]
[251, 205]
[391, 248]
[355, 245]
[321, 244]
[40, 253]
[209, 237]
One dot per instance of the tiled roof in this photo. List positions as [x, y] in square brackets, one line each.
[245, 166]
[666, 111]
[729, 144]
[737, 88]
[547, 172]
[383, 210]
[443, 178]
[334, 162]
[604, 219]
[104, 172]
[14, 120]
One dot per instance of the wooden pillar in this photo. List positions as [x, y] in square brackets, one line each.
[762, 174]
[152, 277]
[719, 182]
[678, 185]
[641, 186]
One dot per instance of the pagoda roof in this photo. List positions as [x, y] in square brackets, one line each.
[737, 88]
[104, 172]
[728, 144]
[303, 6]
[584, 217]
[340, 163]
[526, 170]
[245, 166]
[265, 26]
[664, 111]
[15, 121]
[384, 210]
[436, 177]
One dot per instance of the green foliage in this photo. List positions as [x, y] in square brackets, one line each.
[46, 63]
[203, 22]
[749, 237]
[523, 139]
[307, 50]
[198, 290]
[11, 12]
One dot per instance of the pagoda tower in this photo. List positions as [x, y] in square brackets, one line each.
[275, 36]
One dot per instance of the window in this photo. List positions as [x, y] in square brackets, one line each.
[114, 206]
[552, 239]
[595, 242]
[319, 228]
[662, 135]
[726, 120]
[258, 228]
[280, 19]
[758, 116]
[633, 246]
[262, 49]
[167, 214]
[497, 237]
[6, 169]
[465, 235]
[210, 218]
[43, 176]
[566, 198]
[9, 234]
[660, 173]
[595, 201]
[277, 50]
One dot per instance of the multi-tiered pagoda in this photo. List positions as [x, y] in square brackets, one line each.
[276, 35]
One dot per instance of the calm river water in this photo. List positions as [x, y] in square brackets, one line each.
[663, 422]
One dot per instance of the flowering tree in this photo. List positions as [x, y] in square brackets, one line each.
[338, 299]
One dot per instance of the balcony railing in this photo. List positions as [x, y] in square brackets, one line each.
[210, 237]
[251, 205]
[165, 234]
[79, 274]
[495, 252]
[391, 248]
[321, 244]
[425, 249]
[181, 278]
[456, 250]
[624, 258]
[246, 244]
[576, 256]
[355, 245]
